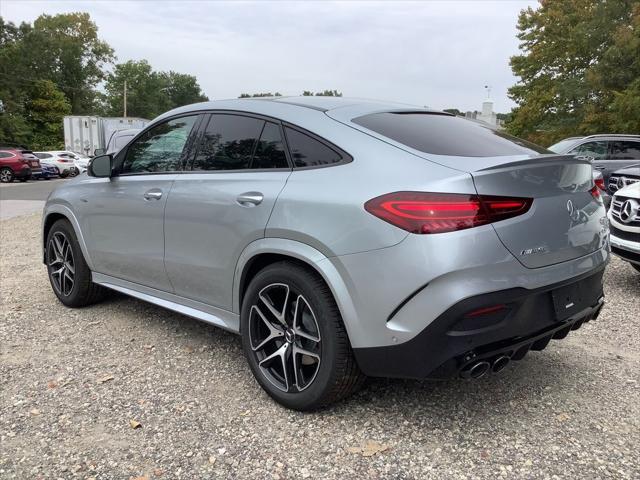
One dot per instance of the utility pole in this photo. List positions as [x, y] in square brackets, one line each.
[125, 98]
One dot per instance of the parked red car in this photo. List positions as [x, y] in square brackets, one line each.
[18, 163]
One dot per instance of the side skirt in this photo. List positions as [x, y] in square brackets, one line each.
[198, 310]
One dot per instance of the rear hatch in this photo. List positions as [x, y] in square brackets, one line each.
[565, 220]
[32, 160]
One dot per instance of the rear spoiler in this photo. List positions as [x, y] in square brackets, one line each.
[538, 160]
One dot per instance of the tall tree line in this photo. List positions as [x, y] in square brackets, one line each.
[579, 70]
[59, 66]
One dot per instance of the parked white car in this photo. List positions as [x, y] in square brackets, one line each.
[64, 161]
[80, 162]
[624, 217]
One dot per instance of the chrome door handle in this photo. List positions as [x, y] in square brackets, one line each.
[153, 194]
[250, 199]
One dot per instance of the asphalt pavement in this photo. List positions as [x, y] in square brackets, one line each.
[19, 198]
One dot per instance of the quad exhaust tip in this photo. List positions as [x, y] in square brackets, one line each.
[480, 368]
[500, 363]
[477, 370]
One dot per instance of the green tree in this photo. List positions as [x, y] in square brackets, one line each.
[45, 110]
[65, 49]
[569, 82]
[14, 127]
[616, 78]
[182, 89]
[260, 95]
[149, 93]
[145, 95]
[325, 93]
[329, 93]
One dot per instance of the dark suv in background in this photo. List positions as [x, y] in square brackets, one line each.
[608, 153]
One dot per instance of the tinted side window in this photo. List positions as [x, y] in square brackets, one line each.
[441, 134]
[596, 150]
[270, 150]
[228, 143]
[625, 150]
[5, 155]
[309, 152]
[160, 148]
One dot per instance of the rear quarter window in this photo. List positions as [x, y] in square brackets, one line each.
[306, 151]
[442, 134]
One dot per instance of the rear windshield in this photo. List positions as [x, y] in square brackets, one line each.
[442, 134]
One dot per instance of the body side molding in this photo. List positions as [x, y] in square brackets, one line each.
[200, 311]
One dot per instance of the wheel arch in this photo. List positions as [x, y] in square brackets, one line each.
[266, 251]
[56, 212]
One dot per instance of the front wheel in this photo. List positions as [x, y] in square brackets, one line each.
[68, 271]
[294, 339]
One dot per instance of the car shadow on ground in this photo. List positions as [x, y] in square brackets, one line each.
[519, 389]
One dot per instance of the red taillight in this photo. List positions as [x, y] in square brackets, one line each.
[599, 183]
[595, 192]
[65, 160]
[422, 212]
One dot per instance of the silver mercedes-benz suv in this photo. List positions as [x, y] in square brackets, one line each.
[340, 238]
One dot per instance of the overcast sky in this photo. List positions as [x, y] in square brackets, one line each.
[439, 54]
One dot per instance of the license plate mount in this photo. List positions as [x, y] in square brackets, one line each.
[569, 300]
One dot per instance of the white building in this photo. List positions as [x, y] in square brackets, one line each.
[487, 115]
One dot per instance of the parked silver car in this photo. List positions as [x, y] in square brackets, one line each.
[606, 152]
[339, 237]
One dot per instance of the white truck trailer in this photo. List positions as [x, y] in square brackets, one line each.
[84, 134]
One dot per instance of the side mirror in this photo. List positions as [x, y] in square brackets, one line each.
[99, 151]
[100, 166]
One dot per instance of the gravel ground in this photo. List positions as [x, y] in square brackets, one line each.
[75, 382]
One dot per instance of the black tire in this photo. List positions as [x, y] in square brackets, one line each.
[83, 291]
[636, 267]
[6, 175]
[337, 374]
[64, 174]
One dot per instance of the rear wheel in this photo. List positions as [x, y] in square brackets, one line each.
[6, 175]
[294, 338]
[69, 273]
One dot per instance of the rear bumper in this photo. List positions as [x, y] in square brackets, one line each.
[625, 245]
[23, 173]
[454, 342]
